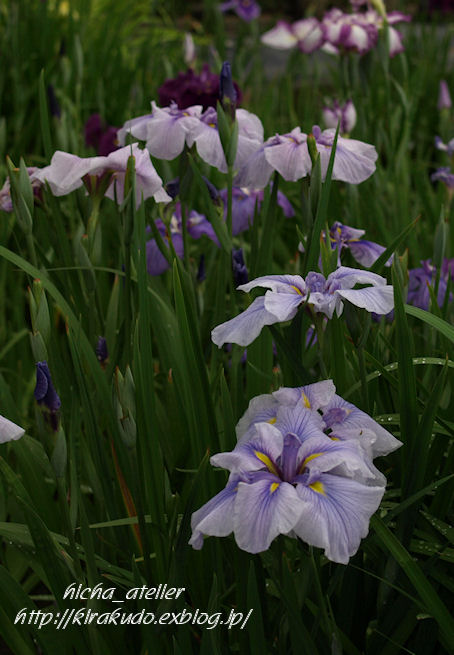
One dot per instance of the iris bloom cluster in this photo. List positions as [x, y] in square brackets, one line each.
[286, 293]
[167, 130]
[244, 202]
[338, 32]
[302, 467]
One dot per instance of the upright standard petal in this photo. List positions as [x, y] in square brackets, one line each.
[342, 417]
[261, 409]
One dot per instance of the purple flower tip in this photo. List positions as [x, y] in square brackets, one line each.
[45, 393]
[240, 272]
[227, 92]
[101, 350]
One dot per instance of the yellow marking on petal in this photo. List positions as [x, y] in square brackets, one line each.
[296, 289]
[211, 125]
[318, 487]
[334, 439]
[272, 421]
[306, 401]
[266, 460]
[307, 460]
[274, 486]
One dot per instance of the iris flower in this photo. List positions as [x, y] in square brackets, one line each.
[68, 172]
[322, 295]
[284, 484]
[166, 130]
[307, 35]
[245, 9]
[365, 252]
[197, 225]
[9, 431]
[243, 206]
[6, 203]
[354, 161]
[345, 113]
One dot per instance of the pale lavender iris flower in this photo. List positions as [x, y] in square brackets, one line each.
[205, 135]
[281, 483]
[325, 411]
[321, 295]
[336, 112]
[166, 130]
[9, 431]
[307, 35]
[67, 172]
[6, 203]
[288, 154]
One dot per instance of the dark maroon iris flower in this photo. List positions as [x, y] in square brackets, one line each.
[101, 137]
[190, 88]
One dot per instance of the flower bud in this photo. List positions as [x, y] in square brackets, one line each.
[227, 92]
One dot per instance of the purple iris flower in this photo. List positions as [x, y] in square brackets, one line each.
[365, 252]
[420, 279]
[243, 206]
[293, 481]
[321, 295]
[68, 172]
[45, 392]
[245, 9]
[445, 175]
[445, 147]
[197, 226]
[190, 88]
[101, 137]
